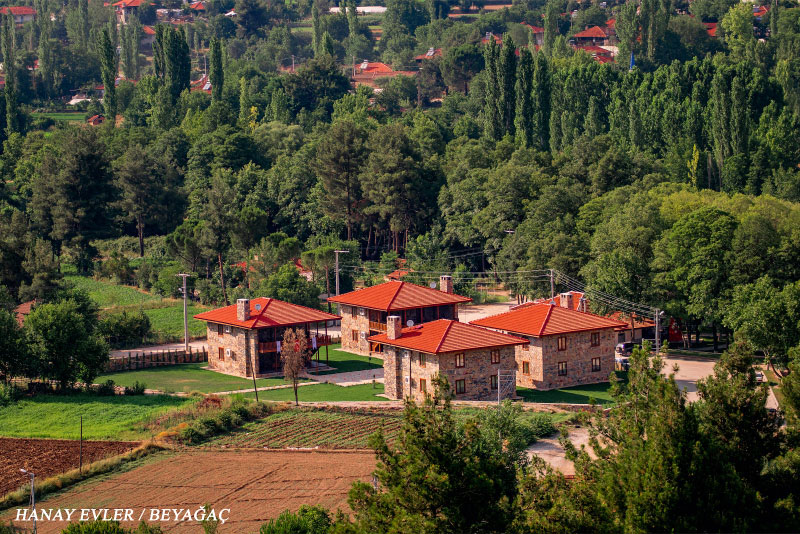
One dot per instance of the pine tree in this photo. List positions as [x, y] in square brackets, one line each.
[108, 63]
[507, 76]
[216, 74]
[524, 91]
[491, 110]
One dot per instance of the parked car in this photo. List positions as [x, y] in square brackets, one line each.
[760, 377]
[625, 349]
[622, 363]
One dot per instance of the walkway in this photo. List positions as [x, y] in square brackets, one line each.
[196, 346]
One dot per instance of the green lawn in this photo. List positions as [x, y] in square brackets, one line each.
[167, 322]
[324, 393]
[63, 116]
[572, 395]
[345, 362]
[58, 416]
[108, 295]
[186, 377]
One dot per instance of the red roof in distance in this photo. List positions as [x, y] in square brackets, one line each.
[595, 32]
[534, 29]
[546, 320]
[397, 295]
[197, 6]
[148, 30]
[18, 10]
[446, 335]
[266, 313]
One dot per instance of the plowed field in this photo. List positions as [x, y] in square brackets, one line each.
[255, 485]
[327, 430]
[48, 457]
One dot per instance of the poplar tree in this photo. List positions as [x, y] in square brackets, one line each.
[131, 36]
[216, 74]
[316, 36]
[13, 117]
[551, 15]
[353, 26]
[491, 110]
[540, 102]
[45, 49]
[507, 76]
[108, 73]
[326, 47]
[524, 92]
[627, 28]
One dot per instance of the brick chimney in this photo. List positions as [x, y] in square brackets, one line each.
[393, 327]
[565, 300]
[243, 309]
[446, 283]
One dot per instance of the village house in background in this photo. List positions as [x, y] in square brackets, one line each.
[251, 331]
[364, 311]
[566, 347]
[478, 363]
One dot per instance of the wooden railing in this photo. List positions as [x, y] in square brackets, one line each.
[272, 346]
[144, 360]
[375, 325]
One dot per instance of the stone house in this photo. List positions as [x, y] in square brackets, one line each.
[249, 333]
[477, 362]
[364, 311]
[566, 347]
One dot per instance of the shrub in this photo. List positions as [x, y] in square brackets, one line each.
[208, 425]
[106, 389]
[136, 389]
[242, 411]
[168, 284]
[190, 434]
[117, 268]
[8, 395]
[120, 329]
[538, 425]
[225, 419]
[307, 520]
[95, 527]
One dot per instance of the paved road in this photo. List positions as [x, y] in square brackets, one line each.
[690, 370]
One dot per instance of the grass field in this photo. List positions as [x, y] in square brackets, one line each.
[168, 322]
[64, 116]
[58, 416]
[302, 428]
[186, 377]
[324, 393]
[108, 295]
[572, 395]
[345, 362]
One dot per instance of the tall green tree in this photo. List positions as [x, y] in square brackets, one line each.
[523, 117]
[131, 38]
[551, 15]
[540, 102]
[492, 116]
[108, 62]
[507, 77]
[14, 119]
[216, 74]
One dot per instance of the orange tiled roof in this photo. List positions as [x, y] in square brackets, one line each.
[446, 335]
[18, 10]
[267, 312]
[593, 32]
[148, 30]
[534, 29]
[546, 320]
[23, 310]
[576, 301]
[396, 295]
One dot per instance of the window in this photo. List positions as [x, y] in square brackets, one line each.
[355, 335]
[526, 368]
[422, 360]
[221, 352]
[460, 360]
[423, 386]
[461, 386]
[495, 356]
[232, 354]
[562, 368]
[353, 312]
[595, 339]
[227, 329]
[595, 365]
[220, 330]
[493, 381]
[562, 343]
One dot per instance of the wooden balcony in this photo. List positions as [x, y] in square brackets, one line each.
[269, 346]
[375, 325]
[272, 346]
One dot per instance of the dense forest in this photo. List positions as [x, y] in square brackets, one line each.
[667, 177]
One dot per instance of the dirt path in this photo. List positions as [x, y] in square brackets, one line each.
[550, 450]
[255, 485]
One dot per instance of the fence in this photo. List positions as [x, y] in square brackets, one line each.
[144, 360]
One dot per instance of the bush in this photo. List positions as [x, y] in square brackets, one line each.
[225, 420]
[106, 389]
[126, 328]
[117, 268]
[95, 527]
[136, 389]
[208, 292]
[168, 284]
[307, 520]
[8, 394]
[207, 425]
[537, 425]
[190, 434]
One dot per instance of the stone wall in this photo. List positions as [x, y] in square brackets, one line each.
[240, 341]
[543, 356]
[359, 323]
[476, 373]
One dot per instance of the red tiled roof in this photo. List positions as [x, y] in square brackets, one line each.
[197, 6]
[638, 322]
[23, 310]
[546, 320]
[18, 10]
[398, 296]
[593, 49]
[267, 312]
[611, 23]
[534, 29]
[446, 335]
[711, 28]
[595, 32]
[128, 3]
[436, 53]
[148, 30]
[94, 120]
[376, 66]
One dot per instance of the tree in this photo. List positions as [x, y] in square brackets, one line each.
[524, 92]
[131, 37]
[216, 223]
[737, 25]
[108, 62]
[13, 357]
[492, 111]
[316, 35]
[64, 344]
[507, 77]
[460, 64]
[340, 157]
[307, 520]
[540, 103]
[627, 28]
[216, 74]
[326, 48]
[551, 15]
[294, 356]
[8, 38]
[46, 50]
[286, 284]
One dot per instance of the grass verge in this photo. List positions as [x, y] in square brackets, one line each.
[345, 362]
[599, 393]
[324, 393]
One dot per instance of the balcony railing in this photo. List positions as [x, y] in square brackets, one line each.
[272, 346]
[375, 325]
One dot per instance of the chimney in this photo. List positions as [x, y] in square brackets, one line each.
[243, 309]
[393, 327]
[446, 283]
[565, 299]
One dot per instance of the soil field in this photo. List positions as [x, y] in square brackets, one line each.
[328, 430]
[48, 457]
[255, 485]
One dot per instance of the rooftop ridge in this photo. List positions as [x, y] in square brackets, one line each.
[547, 317]
[444, 335]
[397, 292]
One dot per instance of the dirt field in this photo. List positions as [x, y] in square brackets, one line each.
[255, 484]
[48, 457]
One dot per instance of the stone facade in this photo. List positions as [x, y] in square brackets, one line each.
[476, 373]
[543, 356]
[242, 344]
[355, 319]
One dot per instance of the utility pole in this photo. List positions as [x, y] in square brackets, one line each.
[552, 287]
[185, 314]
[658, 330]
[336, 253]
[33, 496]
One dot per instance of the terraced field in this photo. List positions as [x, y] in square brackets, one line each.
[308, 429]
